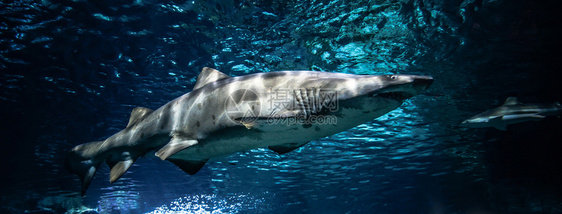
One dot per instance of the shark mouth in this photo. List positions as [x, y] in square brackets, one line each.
[399, 96]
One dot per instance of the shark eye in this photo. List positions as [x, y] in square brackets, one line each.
[393, 77]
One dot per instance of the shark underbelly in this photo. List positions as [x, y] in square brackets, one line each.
[238, 139]
[266, 133]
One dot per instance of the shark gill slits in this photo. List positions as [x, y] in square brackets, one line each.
[198, 124]
[214, 118]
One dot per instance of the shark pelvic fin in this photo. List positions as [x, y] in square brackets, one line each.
[511, 101]
[189, 166]
[209, 75]
[138, 114]
[285, 148]
[175, 145]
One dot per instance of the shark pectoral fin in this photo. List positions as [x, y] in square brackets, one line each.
[501, 127]
[499, 123]
[285, 148]
[175, 145]
[189, 166]
[118, 169]
[138, 114]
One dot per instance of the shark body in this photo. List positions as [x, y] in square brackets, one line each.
[224, 115]
[511, 112]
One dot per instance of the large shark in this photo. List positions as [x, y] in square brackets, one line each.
[224, 115]
[512, 111]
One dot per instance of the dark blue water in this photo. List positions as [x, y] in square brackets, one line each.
[71, 71]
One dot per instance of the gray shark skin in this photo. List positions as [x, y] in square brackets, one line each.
[511, 112]
[224, 115]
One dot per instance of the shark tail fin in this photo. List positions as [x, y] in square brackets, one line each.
[78, 162]
[85, 159]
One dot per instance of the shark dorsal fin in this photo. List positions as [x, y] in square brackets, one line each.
[137, 115]
[511, 101]
[209, 75]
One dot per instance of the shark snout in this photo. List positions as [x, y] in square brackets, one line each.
[422, 82]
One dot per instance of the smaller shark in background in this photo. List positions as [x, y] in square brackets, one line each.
[512, 111]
